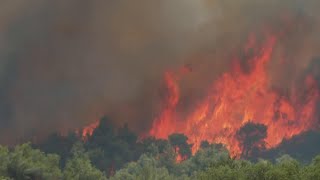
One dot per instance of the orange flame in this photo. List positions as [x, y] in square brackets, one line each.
[236, 98]
[179, 157]
[88, 130]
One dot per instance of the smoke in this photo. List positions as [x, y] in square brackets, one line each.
[66, 63]
[303, 147]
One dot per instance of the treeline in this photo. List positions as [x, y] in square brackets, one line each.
[213, 162]
[110, 148]
[117, 153]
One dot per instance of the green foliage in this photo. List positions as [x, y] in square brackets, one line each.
[203, 159]
[212, 162]
[119, 155]
[220, 173]
[24, 162]
[4, 161]
[312, 171]
[146, 168]
[286, 168]
[257, 171]
[79, 166]
[155, 146]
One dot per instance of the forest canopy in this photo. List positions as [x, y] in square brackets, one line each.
[117, 154]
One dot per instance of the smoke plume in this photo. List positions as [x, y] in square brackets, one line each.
[64, 64]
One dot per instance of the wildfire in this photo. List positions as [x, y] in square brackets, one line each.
[236, 98]
[88, 130]
[179, 157]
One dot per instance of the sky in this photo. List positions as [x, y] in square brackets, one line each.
[64, 64]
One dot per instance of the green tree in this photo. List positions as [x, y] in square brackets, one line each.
[219, 173]
[4, 161]
[203, 159]
[146, 168]
[258, 171]
[312, 171]
[79, 167]
[155, 146]
[286, 168]
[28, 163]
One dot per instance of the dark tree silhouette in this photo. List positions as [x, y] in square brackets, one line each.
[251, 137]
[180, 142]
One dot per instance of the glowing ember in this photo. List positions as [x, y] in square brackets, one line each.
[179, 157]
[88, 130]
[236, 98]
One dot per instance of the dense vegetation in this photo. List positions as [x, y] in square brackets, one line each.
[114, 154]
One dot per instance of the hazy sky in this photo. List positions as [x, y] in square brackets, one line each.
[64, 64]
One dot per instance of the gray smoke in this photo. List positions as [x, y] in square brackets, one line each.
[64, 64]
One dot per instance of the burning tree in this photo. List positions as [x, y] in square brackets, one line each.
[251, 137]
[181, 146]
